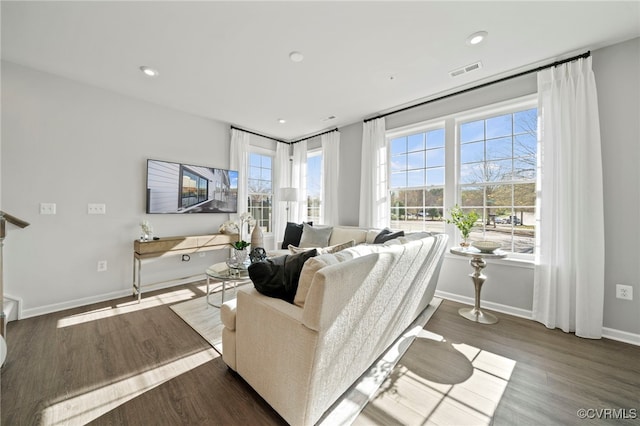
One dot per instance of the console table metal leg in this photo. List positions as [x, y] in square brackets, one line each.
[137, 287]
[476, 314]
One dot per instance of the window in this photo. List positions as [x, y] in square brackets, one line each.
[260, 191]
[314, 185]
[498, 156]
[417, 181]
[492, 155]
[194, 188]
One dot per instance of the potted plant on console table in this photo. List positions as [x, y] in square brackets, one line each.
[464, 222]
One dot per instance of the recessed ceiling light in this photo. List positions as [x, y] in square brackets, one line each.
[296, 56]
[282, 120]
[149, 72]
[476, 38]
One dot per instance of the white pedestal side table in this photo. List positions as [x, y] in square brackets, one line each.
[478, 263]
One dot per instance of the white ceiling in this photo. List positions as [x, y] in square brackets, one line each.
[230, 60]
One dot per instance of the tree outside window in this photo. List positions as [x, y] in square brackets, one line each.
[498, 158]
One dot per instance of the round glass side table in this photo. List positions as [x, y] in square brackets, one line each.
[228, 276]
[478, 263]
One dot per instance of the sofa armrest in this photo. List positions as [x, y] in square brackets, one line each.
[275, 352]
[228, 314]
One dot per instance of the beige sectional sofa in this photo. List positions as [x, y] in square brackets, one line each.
[349, 308]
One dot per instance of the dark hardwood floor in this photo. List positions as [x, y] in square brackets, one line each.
[120, 363]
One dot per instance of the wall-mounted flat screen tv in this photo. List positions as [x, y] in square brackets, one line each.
[185, 188]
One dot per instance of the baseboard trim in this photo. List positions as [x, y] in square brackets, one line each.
[607, 333]
[505, 309]
[621, 336]
[76, 303]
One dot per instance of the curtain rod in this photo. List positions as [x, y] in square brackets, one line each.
[314, 136]
[258, 134]
[280, 140]
[480, 86]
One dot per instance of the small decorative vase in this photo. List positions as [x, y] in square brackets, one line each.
[465, 243]
[241, 256]
[257, 237]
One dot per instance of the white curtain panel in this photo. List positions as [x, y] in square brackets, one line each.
[569, 272]
[330, 178]
[299, 180]
[374, 196]
[239, 160]
[281, 179]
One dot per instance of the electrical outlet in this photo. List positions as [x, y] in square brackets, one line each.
[202, 254]
[97, 208]
[102, 265]
[47, 208]
[624, 292]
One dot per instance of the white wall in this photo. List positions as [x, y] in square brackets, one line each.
[617, 70]
[509, 285]
[71, 144]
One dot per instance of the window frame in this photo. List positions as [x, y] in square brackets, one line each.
[484, 113]
[417, 128]
[451, 124]
[265, 153]
[316, 152]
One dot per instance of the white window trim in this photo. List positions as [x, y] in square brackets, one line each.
[451, 122]
[254, 149]
[485, 112]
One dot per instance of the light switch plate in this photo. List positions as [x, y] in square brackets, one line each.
[47, 208]
[97, 208]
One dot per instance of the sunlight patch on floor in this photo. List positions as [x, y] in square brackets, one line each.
[84, 408]
[126, 307]
[412, 399]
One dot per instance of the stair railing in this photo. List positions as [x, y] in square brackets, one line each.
[4, 218]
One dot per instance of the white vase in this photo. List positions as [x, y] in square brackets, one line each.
[257, 238]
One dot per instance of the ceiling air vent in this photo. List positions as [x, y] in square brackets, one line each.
[466, 69]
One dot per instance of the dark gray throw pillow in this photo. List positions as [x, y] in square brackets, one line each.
[386, 235]
[292, 234]
[278, 277]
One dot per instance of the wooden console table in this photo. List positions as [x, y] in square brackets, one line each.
[174, 246]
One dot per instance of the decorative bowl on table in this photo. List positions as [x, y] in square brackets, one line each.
[486, 246]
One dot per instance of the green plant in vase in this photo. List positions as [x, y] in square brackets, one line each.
[240, 245]
[240, 252]
[463, 221]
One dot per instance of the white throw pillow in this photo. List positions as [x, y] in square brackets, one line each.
[342, 234]
[311, 266]
[315, 236]
[371, 235]
[323, 250]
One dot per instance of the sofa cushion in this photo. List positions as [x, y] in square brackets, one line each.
[278, 277]
[315, 236]
[371, 235]
[292, 234]
[323, 250]
[413, 236]
[386, 234]
[342, 234]
[309, 269]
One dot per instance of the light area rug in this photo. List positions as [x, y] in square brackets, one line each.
[205, 320]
